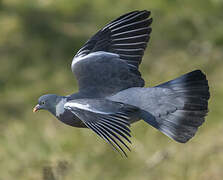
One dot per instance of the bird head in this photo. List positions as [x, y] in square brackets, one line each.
[47, 102]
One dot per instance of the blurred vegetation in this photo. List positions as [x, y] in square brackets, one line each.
[38, 39]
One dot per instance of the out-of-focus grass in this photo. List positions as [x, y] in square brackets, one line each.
[37, 42]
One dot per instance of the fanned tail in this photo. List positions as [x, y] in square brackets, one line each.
[191, 91]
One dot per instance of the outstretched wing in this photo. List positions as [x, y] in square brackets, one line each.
[126, 36]
[109, 61]
[110, 120]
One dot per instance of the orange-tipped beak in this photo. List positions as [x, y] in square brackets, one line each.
[36, 108]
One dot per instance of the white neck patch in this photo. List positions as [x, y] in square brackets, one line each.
[60, 107]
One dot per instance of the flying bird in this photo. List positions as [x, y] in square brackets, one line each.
[112, 95]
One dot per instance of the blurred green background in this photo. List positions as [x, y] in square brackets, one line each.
[38, 39]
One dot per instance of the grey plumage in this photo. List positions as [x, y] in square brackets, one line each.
[111, 90]
[177, 108]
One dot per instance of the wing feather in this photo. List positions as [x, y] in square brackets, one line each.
[110, 120]
[130, 30]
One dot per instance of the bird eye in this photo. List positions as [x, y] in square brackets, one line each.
[43, 102]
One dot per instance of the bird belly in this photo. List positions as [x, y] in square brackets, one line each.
[70, 119]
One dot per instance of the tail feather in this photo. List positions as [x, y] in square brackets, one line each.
[187, 79]
[191, 92]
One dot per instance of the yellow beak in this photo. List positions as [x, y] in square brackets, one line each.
[36, 108]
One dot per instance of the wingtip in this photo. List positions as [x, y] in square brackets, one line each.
[147, 12]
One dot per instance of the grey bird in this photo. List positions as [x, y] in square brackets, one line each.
[112, 95]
